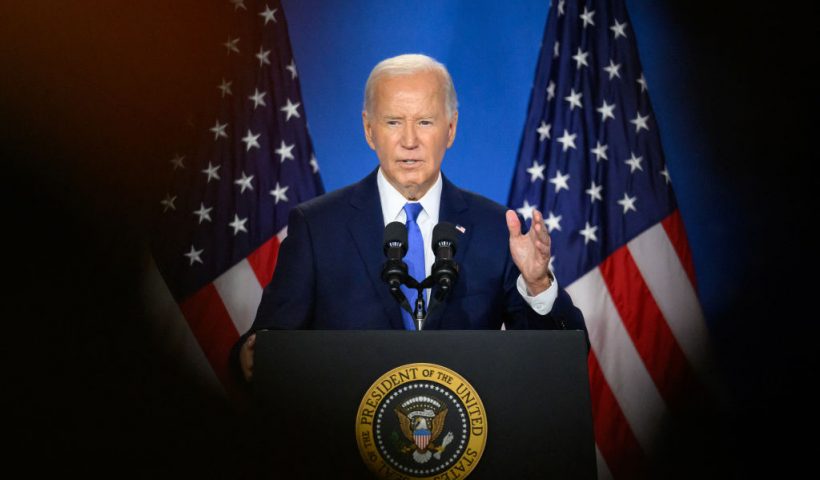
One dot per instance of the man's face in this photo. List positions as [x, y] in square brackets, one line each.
[410, 131]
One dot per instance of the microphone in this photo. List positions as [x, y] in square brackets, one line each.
[395, 248]
[445, 269]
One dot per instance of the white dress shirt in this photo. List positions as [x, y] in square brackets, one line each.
[393, 211]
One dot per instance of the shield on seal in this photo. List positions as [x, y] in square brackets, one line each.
[421, 437]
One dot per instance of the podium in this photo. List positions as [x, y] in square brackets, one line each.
[318, 412]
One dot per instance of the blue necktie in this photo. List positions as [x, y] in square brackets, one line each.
[414, 259]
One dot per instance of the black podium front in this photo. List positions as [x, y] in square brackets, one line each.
[310, 385]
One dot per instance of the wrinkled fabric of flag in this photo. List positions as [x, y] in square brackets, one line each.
[225, 211]
[591, 161]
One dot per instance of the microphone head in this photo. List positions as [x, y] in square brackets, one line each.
[445, 235]
[395, 236]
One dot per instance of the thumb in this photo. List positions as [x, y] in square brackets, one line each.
[513, 225]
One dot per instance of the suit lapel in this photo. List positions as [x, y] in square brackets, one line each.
[453, 209]
[366, 227]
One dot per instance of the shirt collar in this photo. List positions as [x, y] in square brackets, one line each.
[393, 202]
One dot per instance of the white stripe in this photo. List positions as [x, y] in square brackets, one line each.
[171, 331]
[675, 295]
[241, 293]
[622, 367]
[603, 469]
[282, 234]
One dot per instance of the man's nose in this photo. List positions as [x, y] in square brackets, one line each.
[409, 138]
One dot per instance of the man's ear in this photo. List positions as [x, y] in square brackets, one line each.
[368, 130]
[451, 134]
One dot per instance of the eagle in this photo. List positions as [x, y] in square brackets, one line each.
[422, 431]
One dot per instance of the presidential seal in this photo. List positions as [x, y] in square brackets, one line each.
[421, 421]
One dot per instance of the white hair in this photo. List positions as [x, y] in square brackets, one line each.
[409, 64]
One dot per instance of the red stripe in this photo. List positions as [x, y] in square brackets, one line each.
[213, 329]
[654, 341]
[617, 443]
[673, 224]
[263, 260]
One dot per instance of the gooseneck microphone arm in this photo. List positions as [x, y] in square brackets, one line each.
[444, 272]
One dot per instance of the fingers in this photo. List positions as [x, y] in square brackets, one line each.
[539, 235]
[513, 225]
[246, 357]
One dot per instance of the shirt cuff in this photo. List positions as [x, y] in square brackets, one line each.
[541, 303]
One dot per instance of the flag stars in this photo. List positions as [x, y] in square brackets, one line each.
[614, 70]
[251, 140]
[642, 82]
[640, 122]
[560, 181]
[314, 164]
[225, 88]
[606, 111]
[599, 151]
[258, 98]
[594, 192]
[219, 130]
[634, 163]
[561, 7]
[574, 99]
[285, 152]
[244, 182]
[526, 210]
[269, 15]
[586, 17]
[628, 203]
[555, 49]
[618, 29]
[580, 58]
[232, 45]
[238, 224]
[237, 4]
[551, 90]
[211, 172]
[168, 203]
[290, 110]
[203, 213]
[589, 233]
[536, 171]
[543, 131]
[567, 140]
[278, 193]
[263, 55]
[553, 222]
[665, 174]
[177, 161]
[194, 256]
[292, 69]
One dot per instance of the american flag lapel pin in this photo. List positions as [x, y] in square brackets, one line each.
[460, 228]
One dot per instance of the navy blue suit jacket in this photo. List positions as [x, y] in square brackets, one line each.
[328, 273]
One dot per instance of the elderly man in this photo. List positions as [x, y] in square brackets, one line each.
[328, 275]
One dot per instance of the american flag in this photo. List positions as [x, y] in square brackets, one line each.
[225, 212]
[591, 161]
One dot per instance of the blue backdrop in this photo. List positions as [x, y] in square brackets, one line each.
[491, 49]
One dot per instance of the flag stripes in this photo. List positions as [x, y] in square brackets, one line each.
[645, 324]
[621, 365]
[675, 295]
[619, 453]
[212, 327]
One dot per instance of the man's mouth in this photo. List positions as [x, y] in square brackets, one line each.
[409, 162]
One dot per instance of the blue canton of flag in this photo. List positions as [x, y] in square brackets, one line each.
[591, 158]
[591, 161]
[226, 210]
